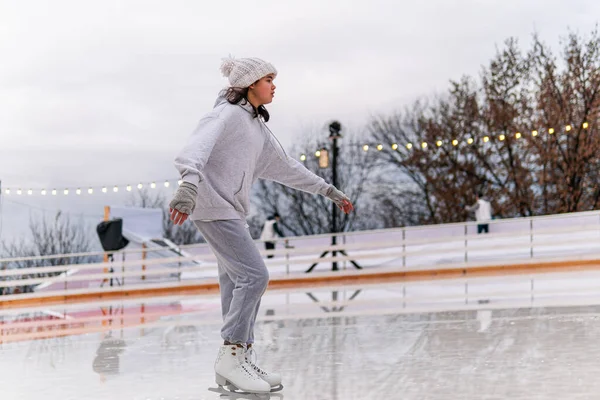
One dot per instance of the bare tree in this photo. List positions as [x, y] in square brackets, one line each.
[402, 134]
[568, 161]
[17, 249]
[59, 236]
[526, 135]
[306, 214]
[49, 237]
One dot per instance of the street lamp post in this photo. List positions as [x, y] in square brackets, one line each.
[334, 134]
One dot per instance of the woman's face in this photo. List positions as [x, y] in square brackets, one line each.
[262, 91]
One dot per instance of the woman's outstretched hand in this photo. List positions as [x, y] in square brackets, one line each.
[346, 206]
[340, 199]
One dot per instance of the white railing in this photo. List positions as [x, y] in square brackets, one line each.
[568, 236]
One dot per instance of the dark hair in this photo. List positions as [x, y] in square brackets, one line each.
[480, 193]
[236, 95]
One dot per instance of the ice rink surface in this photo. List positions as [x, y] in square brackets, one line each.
[341, 343]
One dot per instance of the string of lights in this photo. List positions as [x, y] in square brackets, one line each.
[90, 190]
[455, 142]
[86, 190]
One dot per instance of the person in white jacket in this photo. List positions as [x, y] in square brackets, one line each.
[270, 232]
[229, 150]
[483, 213]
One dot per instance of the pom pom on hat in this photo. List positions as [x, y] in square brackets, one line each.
[243, 72]
[227, 66]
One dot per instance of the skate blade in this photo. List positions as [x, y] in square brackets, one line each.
[235, 394]
[277, 388]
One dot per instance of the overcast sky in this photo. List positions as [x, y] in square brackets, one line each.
[106, 92]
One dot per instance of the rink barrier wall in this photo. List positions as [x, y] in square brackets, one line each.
[509, 226]
[548, 243]
[321, 280]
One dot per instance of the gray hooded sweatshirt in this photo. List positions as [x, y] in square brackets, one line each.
[227, 153]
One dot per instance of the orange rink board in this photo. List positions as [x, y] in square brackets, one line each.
[325, 279]
[423, 339]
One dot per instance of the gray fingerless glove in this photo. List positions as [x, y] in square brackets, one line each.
[184, 200]
[336, 195]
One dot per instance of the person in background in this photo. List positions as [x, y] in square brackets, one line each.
[483, 213]
[270, 232]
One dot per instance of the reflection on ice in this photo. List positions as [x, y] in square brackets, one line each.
[328, 343]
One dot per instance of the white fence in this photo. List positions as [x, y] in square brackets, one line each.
[567, 236]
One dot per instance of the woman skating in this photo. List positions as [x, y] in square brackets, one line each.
[229, 150]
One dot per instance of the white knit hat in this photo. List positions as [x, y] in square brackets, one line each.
[244, 72]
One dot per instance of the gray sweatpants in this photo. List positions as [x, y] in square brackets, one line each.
[243, 276]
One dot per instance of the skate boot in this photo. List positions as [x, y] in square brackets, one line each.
[272, 378]
[232, 371]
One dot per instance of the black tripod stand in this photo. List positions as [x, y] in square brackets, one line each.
[111, 270]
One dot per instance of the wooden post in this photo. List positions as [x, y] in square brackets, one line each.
[142, 318]
[106, 218]
[143, 258]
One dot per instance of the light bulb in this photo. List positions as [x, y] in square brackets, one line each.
[43, 192]
[116, 189]
[409, 146]
[585, 125]
[7, 191]
[424, 145]
[78, 191]
[502, 137]
[54, 192]
[518, 135]
[166, 183]
[153, 185]
[486, 139]
[66, 192]
[318, 153]
[551, 131]
[104, 190]
[379, 147]
[139, 186]
[470, 140]
[128, 188]
[439, 143]
[366, 147]
[455, 142]
[534, 133]
[303, 157]
[90, 191]
[394, 146]
[19, 191]
[30, 192]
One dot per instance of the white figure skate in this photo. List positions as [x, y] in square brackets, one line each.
[234, 375]
[272, 378]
